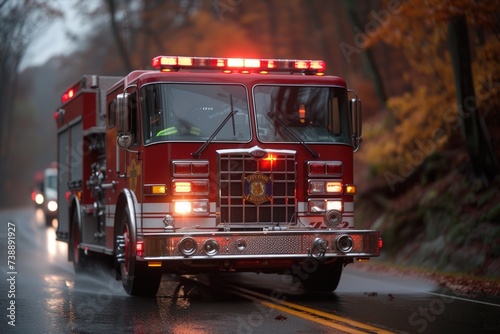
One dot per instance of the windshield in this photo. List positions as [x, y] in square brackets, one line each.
[302, 113]
[193, 112]
[51, 182]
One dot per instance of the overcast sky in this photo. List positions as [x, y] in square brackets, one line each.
[52, 38]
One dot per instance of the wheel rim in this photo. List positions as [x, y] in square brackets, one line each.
[126, 239]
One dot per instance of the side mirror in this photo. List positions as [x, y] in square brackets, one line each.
[124, 140]
[122, 113]
[356, 119]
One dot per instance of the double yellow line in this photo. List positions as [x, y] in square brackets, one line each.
[320, 317]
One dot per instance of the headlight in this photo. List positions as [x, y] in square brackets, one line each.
[316, 187]
[182, 207]
[323, 205]
[182, 187]
[334, 205]
[52, 206]
[333, 187]
[200, 206]
[39, 199]
[193, 187]
[325, 187]
[197, 206]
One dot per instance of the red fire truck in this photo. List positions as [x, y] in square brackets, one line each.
[207, 165]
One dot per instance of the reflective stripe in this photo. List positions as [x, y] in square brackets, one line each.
[168, 131]
[173, 130]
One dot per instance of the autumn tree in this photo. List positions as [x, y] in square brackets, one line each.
[432, 34]
[135, 31]
[476, 136]
[366, 53]
[119, 39]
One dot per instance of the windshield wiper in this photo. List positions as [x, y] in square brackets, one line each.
[293, 134]
[209, 140]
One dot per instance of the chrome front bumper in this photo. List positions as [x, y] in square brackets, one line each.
[260, 244]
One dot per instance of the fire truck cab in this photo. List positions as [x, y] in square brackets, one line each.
[207, 165]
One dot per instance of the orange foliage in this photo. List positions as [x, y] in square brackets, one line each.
[426, 118]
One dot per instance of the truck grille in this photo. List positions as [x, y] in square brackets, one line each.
[256, 192]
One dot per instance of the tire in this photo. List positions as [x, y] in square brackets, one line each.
[137, 278]
[80, 260]
[325, 278]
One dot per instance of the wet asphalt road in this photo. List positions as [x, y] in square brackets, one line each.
[40, 293]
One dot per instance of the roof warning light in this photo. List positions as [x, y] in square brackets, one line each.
[239, 65]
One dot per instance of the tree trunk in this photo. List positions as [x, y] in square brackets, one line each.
[480, 152]
[367, 55]
[122, 46]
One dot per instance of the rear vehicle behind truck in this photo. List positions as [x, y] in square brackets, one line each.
[44, 193]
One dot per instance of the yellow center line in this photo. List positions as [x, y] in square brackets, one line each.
[310, 317]
[324, 318]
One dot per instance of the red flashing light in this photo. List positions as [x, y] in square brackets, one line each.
[240, 65]
[270, 157]
[68, 95]
[268, 162]
[319, 65]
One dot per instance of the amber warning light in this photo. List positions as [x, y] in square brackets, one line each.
[239, 65]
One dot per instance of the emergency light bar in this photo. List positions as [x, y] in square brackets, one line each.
[71, 93]
[242, 65]
[68, 95]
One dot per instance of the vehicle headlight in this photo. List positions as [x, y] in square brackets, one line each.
[52, 206]
[182, 207]
[323, 205]
[39, 199]
[325, 187]
[196, 206]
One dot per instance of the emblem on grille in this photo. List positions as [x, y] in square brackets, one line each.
[257, 188]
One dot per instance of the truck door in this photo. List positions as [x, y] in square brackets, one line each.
[123, 144]
[132, 162]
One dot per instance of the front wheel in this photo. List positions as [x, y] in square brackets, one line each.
[137, 278]
[324, 278]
